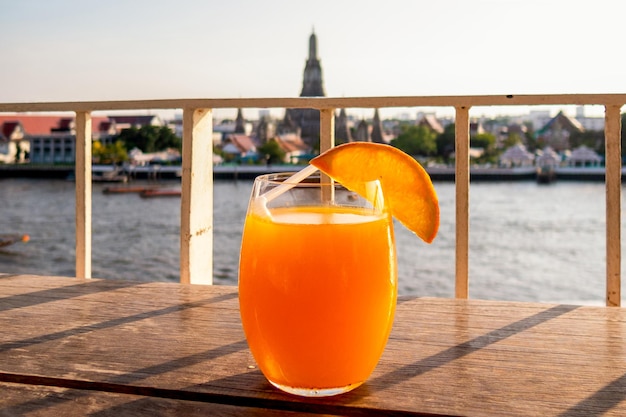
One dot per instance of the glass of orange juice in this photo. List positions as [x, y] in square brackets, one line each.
[317, 283]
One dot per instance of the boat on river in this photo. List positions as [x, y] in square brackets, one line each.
[116, 175]
[163, 192]
[7, 239]
[125, 189]
[545, 174]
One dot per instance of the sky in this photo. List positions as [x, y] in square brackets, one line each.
[82, 50]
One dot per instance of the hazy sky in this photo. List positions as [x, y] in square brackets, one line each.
[134, 49]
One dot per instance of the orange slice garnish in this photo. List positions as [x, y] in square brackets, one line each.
[407, 187]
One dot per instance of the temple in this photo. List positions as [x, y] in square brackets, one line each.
[308, 120]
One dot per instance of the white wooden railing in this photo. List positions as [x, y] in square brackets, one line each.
[196, 234]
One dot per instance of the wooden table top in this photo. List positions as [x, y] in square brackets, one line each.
[110, 347]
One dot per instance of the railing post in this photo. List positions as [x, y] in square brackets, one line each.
[327, 141]
[82, 174]
[327, 129]
[613, 166]
[196, 208]
[462, 179]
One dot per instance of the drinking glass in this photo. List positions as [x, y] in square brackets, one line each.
[317, 283]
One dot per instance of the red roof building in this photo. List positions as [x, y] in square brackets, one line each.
[51, 138]
[293, 145]
[35, 124]
[241, 145]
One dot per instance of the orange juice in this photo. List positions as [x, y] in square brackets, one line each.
[318, 290]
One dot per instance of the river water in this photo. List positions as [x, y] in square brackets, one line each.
[528, 242]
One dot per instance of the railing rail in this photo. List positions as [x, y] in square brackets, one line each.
[196, 235]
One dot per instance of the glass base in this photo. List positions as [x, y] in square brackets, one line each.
[316, 392]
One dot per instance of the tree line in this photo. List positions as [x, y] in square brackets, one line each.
[421, 141]
[147, 139]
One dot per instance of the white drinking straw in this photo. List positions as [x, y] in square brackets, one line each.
[289, 183]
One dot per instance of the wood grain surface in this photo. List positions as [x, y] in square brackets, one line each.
[165, 345]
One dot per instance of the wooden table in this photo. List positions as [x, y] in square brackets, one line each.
[109, 347]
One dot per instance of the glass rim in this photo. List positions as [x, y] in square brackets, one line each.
[266, 188]
[313, 180]
[277, 178]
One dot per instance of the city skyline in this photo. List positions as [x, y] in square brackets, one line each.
[69, 50]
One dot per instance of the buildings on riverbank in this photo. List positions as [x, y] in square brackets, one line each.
[49, 139]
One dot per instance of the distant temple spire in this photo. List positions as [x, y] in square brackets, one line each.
[377, 129]
[312, 46]
[240, 123]
[362, 133]
[265, 130]
[312, 86]
[288, 125]
[342, 130]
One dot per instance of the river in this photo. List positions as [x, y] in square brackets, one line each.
[528, 242]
